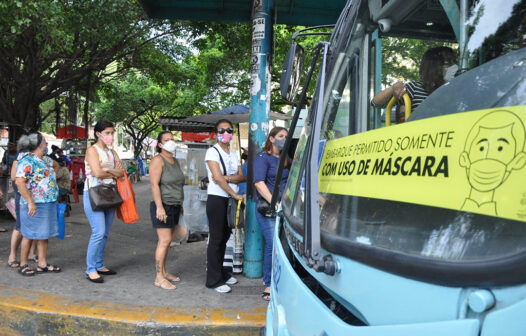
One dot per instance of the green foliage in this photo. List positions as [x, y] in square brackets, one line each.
[136, 103]
[401, 58]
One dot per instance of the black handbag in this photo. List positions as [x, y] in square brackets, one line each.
[231, 213]
[263, 207]
[104, 196]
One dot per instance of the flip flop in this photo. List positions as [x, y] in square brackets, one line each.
[173, 278]
[165, 284]
[265, 296]
[46, 269]
[13, 264]
[26, 271]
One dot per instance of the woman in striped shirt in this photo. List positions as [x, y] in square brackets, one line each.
[437, 67]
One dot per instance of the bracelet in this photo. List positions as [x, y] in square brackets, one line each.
[229, 179]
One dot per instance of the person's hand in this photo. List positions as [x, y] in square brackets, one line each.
[398, 90]
[237, 197]
[31, 209]
[161, 214]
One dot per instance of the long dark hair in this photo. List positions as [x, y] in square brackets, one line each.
[431, 68]
[102, 125]
[159, 138]
[268, 145]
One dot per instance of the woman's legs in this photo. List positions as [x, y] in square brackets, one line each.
[108, 220]
[97, 221]
[266, 225]
[218, 237]
[16, 238]
[165, 238]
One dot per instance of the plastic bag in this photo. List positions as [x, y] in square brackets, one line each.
[61, 209]
[127, 211]
[10, 205]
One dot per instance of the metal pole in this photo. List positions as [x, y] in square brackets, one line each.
[258, 125]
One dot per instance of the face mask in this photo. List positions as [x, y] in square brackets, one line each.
[225, 137]
[280, 143]
[450, 72]
[487, 174]
[46, 150]
[169, 146]
[107, 139]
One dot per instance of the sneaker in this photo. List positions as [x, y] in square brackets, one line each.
[231, 281]
[223, 289]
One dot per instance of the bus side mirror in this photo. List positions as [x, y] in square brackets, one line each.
[291, 73]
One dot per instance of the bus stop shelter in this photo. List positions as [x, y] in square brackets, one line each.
[263, 14]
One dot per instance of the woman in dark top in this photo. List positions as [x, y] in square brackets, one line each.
[265, 169]
[436, 68]
[167, 181]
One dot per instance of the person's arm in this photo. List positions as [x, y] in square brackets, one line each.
[238, 178]
[383, 97]
[156, 169]
[13, 170]
[263, 190]
[92, 157]
[220, 180]
[24, 192]
[118, 170]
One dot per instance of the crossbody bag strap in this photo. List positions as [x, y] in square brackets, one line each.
[222, 162]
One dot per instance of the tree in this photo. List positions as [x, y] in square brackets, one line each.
[136, 104]
[48, 47]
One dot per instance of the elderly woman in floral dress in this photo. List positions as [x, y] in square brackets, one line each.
[36, 182]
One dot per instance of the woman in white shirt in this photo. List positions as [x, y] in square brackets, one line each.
[224, 172]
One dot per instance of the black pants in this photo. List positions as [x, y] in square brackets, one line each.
[216, 274]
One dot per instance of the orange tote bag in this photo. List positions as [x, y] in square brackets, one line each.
[127, 211]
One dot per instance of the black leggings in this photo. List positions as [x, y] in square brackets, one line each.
[219, 233]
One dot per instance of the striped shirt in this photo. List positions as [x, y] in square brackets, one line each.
[416, 92]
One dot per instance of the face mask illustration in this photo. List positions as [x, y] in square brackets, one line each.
[169, 146]
[486, 175]
[450, 72]
[225, 137]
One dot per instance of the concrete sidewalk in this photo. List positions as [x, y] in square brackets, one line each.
[127, 303]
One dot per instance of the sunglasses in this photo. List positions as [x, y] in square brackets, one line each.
[223, 130]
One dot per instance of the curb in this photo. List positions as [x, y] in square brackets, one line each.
[26, 312]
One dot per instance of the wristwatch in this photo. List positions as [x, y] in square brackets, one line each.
[229, 179]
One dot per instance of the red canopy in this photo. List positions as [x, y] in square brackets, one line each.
[197, 137]
[67, 132]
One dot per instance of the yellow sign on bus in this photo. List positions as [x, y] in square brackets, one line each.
[471, 161]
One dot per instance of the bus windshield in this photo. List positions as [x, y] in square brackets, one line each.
[360, 211]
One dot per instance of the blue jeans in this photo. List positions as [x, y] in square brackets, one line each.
[267, 224]
[100, 222]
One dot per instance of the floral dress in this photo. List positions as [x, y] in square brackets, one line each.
[40, 178]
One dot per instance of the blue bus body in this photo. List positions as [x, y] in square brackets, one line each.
[405, 262]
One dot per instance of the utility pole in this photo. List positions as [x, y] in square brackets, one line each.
[258, 125]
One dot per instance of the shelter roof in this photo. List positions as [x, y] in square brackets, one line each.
[235, 114]
[292, 12]
[181, 124]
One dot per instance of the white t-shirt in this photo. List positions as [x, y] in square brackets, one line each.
[232, 165]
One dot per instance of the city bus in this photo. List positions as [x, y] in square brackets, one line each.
[413, 228]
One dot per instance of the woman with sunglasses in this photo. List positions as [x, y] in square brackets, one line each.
[224, 172]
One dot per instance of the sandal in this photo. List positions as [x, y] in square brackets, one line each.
[13, 264]
[165, 284]
[3, 229]
[173, 278]
[265, 296]
[34, 259]
[26, 271]
[47, 268]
